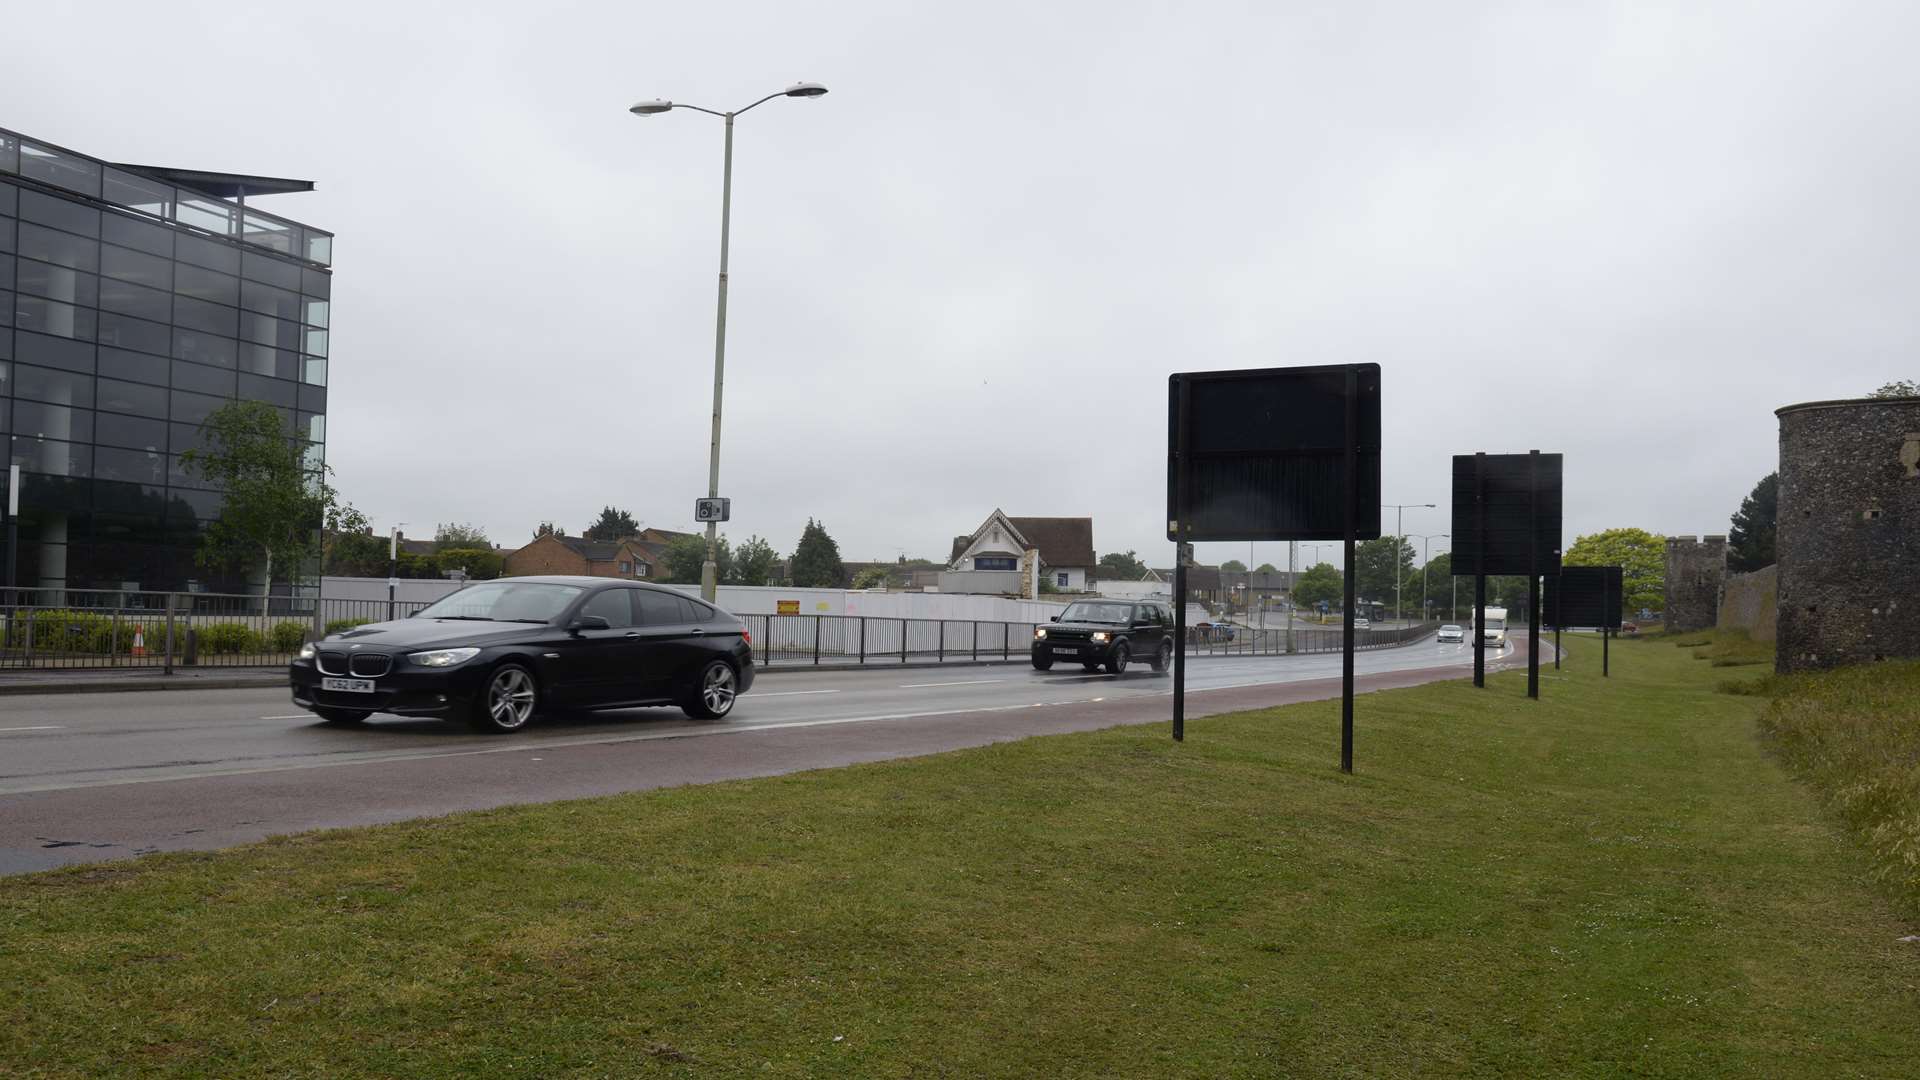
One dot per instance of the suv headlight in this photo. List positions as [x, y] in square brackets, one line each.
[442, 657]
[1100, 635]
[1039, 633]
[307, 650]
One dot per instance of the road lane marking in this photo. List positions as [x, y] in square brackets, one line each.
[795, 693]
[36, 727]
[296, 716]
[964, 682]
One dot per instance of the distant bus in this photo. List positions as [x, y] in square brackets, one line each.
[1495, 631]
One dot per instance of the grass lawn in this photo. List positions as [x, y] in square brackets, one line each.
[1619, 880]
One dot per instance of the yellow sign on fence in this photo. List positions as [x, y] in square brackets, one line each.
[787, 607]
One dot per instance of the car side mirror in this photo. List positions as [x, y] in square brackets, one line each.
[1056, 618]
[590, 622]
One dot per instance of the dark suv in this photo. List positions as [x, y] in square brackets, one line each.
[1112, 633]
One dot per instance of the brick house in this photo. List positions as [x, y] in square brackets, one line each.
[550, 554]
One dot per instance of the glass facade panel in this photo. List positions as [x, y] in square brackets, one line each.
[136, 466]
[54, 352]
[53, 387]
[201, 315]
[201, 251]
[63, 214]
[267, 330]
[52, 317]
[259, 388]
[202, 379]
[133, 398]
[269, 232]
[6, 309]
[193, 408]
[44, 421]
[59, 168]
[204, 284]
[316, 343]
[130, 232]
[315, 313]
[314, 370]
[316, 283]
[9, 153]
[139, 192]
[266, 360]
[127, 332]
[270, 270]
[313, 399]
[52, 457]
[204, 348]
[54, 246]
[61, 283]
[6, 234]
[137, 267]
[205, 212]
[139, 367]
[137, 300]
[187, 437]
[320, 248]
[112, 429]
[270, 300]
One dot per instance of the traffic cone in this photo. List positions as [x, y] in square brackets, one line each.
[139, 640]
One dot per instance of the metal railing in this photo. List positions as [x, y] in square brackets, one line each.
[51, 629]
[45, 629]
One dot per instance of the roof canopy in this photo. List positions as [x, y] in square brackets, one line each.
[225, 185]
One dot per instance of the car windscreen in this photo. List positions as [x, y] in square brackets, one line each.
[1449, 629]
[1496, 624]
[1098, 613]
[504, 601]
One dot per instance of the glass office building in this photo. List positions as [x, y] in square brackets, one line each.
[134, 301]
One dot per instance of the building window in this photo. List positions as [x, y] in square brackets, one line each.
[1061, 580]
[643, 570]
[995, 562]
[626, 567]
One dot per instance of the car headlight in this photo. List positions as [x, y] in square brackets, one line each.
[1039, 633]
[307, 650]
[1099, 635]
[442, 657]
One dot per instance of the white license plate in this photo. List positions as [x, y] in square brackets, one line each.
[351, 686]
[1066, 652]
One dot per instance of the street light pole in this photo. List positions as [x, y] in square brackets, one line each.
[1424, 541]
[710, 569]
[1398, 613]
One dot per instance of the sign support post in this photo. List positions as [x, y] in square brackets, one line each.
[1182, 474]
[1480, 571]
[1533, 574]
[1352, 527]
[1558, 604]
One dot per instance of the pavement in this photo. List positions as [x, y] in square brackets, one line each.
[86, 777]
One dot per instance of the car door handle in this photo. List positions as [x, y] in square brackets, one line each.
[631, 633]
[697, 632]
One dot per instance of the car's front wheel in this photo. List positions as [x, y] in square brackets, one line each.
[343, 717]
[714, 692]
[1163, 656]
[1042, 663]
[1117, 661]
[508, 701]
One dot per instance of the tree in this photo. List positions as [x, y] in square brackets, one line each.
[686, 555]
[816, 561]
[349, 548]
[1750, 540]
[753, 563]
[1266, 568]
[1376, 565]
[1319, 583]
[457, 535]
[1641, 555]
[274, 508]
[480, 564]
[612, 525]
[873, 577]
[1434, 582]
[1117, 567]
[1233, 566]
[1898, 388]
[548, 528]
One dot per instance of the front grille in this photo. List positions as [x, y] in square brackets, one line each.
[332, 663]
[370, 665]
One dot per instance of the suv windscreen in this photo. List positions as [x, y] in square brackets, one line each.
[1087, 612]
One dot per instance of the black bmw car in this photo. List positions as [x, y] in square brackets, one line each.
[496, 653]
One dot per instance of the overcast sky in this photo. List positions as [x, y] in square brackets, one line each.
[961, 278]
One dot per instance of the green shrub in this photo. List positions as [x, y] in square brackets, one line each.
[287, 636]
[61, 630]
[338, 625]
[227, 639]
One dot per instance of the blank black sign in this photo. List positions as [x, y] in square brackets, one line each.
[1517, 541]
[1267, 453]
[1584, 596]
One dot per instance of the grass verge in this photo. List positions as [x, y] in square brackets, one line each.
[1616, 880]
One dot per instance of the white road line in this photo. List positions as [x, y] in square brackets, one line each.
[295, 716]
[965, 682]
[793, 693]
[36, 727]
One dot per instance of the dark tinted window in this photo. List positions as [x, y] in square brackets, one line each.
[267, 360]
[260, 388]
[116, 430]
[57, 283]
[50, 245]
[47, 421]
[204, 348]
[134, 466]
[136, 234]
[208, 253]
[127, 332]
[193, 408]
[201, 315]
[133, 398]
[140, 367]
[130, 299]
[8, 194]
[135, 266]
[660, 609]
[59, 387]
[53, 317]
[202, 284]
[255, 296]
[697, 611]
[53, 352]
[270, 270]
[59, 213]
[316, 283]
[611, 605]
[202, 379]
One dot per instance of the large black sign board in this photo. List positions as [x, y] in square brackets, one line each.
[1518, 505]
[1584, 596]
[1272, 454]
[1266, 453]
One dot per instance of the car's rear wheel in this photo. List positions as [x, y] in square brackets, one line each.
[714, 692]
[343, 717]
[1163, 656]
[507, 702]
[1117, 662]
[1043, 663]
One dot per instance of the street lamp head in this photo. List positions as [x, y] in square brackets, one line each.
[649, 108]
[805, 89]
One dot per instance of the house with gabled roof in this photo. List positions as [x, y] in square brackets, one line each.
[1056, 550]
[550, 553]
